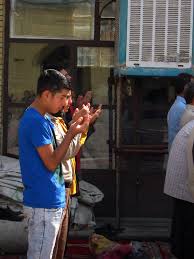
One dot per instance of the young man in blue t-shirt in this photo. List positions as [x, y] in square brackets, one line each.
[40, 158]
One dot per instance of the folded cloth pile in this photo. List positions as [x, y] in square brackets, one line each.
[82, 214]
[11, 188]
[102, 248]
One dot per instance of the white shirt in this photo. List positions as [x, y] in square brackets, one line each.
[72, 151]
[188, 115]
[176, 181]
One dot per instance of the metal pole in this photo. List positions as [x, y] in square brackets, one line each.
[118, 133]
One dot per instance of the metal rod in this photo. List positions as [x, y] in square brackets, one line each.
[118, 113]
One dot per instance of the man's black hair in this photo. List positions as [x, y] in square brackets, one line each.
[185, 76]
[57, 65]
[53, 81]
[179, 84]
[189, 93]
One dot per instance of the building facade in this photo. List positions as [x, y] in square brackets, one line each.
[134, 108]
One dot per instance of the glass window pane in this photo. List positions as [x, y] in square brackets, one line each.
[107, 9]
[95, 80]
[73, 19]
[93, 72]
[24, 68]
[23, 71]
[95, 152]
[95, 57]
[14, 115]
[107, 14]
[107, 29]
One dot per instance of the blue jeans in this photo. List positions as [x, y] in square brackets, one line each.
[43, 227]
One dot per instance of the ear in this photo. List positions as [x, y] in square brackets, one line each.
[46, 94]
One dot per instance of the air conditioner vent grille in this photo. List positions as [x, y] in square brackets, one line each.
[159, 33]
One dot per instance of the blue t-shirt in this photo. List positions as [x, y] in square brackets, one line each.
[42, 188]
[174, 116]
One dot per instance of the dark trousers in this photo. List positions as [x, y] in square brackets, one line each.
[61, 242]
[182, 233]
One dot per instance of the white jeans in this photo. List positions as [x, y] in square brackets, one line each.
[43, 227]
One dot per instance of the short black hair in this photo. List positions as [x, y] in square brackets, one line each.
[179, 84]
[189, 93]
[56, 65]
[53, 81]
[185, 76]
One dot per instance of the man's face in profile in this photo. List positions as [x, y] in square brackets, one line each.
[69, 101]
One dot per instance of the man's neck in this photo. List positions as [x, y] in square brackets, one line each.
[38, 106]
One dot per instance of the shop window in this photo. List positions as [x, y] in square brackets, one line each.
[25, 61]
[95, 152]
[95, 57]
[107, 23]
[72, 19]
[24, 69]
[93, 70]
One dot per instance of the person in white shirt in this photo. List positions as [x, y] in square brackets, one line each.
[177, 185]
[176, 111]
[188, 114]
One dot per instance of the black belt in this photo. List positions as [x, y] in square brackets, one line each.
[67, 184]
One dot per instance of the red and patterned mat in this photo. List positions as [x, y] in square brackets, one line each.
[79, 249]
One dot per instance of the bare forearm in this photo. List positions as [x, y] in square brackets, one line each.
[58, 154]
[74, 147]
[52, 158]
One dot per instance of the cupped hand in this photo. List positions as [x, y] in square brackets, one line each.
[80, 125]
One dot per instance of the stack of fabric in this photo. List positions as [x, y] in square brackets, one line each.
[82, 213]
[11, 188]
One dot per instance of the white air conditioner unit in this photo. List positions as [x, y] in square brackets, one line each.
[155, 35]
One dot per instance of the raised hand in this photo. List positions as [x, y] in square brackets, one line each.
[94, 114]
[80, 125]
[85, 110]
[84, 99]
